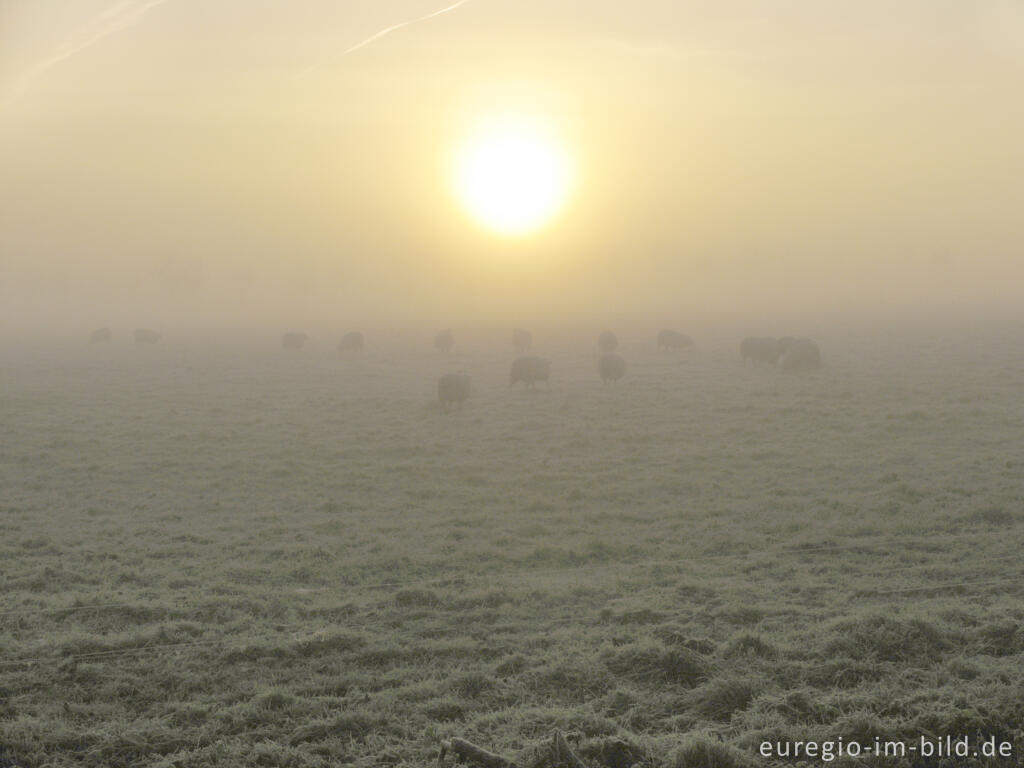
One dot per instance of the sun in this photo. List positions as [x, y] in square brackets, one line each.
[512, 175]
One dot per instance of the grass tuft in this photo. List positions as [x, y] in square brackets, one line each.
[703, 751]
[417, 598]
[720, 697]
[880, 637]
[472, 685]
[749, 644]
[652, 662]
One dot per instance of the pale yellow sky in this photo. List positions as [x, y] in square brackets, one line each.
[226, 160]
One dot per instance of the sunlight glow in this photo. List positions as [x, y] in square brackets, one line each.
[512, 175]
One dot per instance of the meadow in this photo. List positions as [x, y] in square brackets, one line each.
[220, 554]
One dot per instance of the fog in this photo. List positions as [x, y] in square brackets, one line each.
[750, 477]
[187, 164]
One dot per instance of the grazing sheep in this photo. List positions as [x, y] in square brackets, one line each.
[444, 341]
[351, 342]
[611, 367]
[146, 336]
[530, 370]
[101, 336]
[294, 340]
[607, 341]
[802, 354]
[668, 339]
[759, 350]
[522, 340]
[453, 389]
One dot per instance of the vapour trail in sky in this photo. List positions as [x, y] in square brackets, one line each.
[387, 30]
[114, 19]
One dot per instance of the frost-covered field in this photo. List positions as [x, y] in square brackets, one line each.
[221, 554]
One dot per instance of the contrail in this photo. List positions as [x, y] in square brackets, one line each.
[117, 17]
[127, 13]
[387, 30]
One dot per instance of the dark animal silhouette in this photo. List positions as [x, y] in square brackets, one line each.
[670, 340]
[759, 350]
[530, 370]
[783, 344]
[444, 341]
[611, 367]
[801, 355]
[351, 342]
[522, 340]
[453, 389]
[294, 340]
[607, 341]
[101, 336]
[146, 336]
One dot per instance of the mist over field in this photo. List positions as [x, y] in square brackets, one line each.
[625, 385]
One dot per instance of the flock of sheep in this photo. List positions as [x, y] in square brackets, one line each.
[789, 353]
[453, 389]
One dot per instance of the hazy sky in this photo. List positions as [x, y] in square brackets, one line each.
[226, 160]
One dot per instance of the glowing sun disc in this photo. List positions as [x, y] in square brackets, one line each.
[512, 176]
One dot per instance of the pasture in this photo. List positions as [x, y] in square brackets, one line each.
[225, 555]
